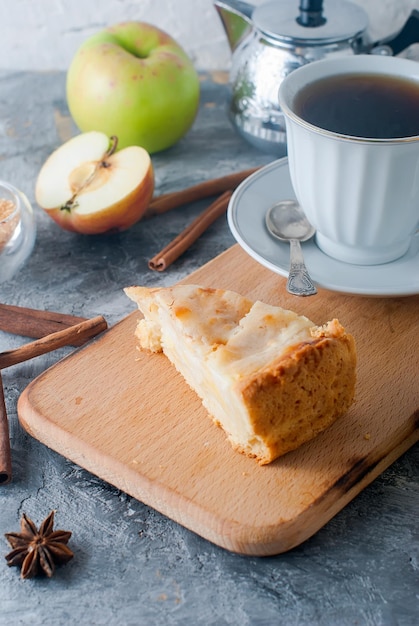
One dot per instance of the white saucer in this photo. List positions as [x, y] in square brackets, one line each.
[246, 219]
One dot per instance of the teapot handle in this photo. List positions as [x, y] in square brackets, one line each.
[408, 35]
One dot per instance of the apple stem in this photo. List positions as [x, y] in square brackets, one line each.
[113, 146]
[111, 150]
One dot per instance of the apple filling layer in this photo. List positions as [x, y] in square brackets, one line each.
[269, 377]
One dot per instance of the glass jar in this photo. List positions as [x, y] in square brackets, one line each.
[17, 230]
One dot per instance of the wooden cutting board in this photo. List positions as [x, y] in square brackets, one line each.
[129, 418]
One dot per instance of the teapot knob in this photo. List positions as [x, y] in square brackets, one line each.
[311, 13]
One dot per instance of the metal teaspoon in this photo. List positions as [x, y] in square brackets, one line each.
[287, 222]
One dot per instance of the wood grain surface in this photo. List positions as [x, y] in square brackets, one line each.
[130, 419]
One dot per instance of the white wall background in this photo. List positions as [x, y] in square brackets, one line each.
[44, 34]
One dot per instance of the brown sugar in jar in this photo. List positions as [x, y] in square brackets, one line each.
[9, 219]
[17, 230]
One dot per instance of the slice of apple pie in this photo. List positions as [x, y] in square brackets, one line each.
[270, 378]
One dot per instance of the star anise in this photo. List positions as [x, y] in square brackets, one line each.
[38, 551]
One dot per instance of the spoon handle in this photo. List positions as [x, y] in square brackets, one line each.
[299, 282]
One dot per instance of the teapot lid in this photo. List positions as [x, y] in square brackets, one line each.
[282, 20]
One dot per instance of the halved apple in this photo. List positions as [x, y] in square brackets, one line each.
[87, 187]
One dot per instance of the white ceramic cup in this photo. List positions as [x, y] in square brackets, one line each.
[361, 195]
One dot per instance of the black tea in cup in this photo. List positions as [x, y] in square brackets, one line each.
[362, 105]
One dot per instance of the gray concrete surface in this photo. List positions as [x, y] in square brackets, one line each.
[133, 566]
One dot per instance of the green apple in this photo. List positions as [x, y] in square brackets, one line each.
[134, 81]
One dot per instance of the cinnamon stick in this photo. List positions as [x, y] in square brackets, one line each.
[34, 322]
[5, 455]
[214, 187]
[79, 333]
[190, 234]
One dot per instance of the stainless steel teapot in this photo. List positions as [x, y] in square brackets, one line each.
[271, 40]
